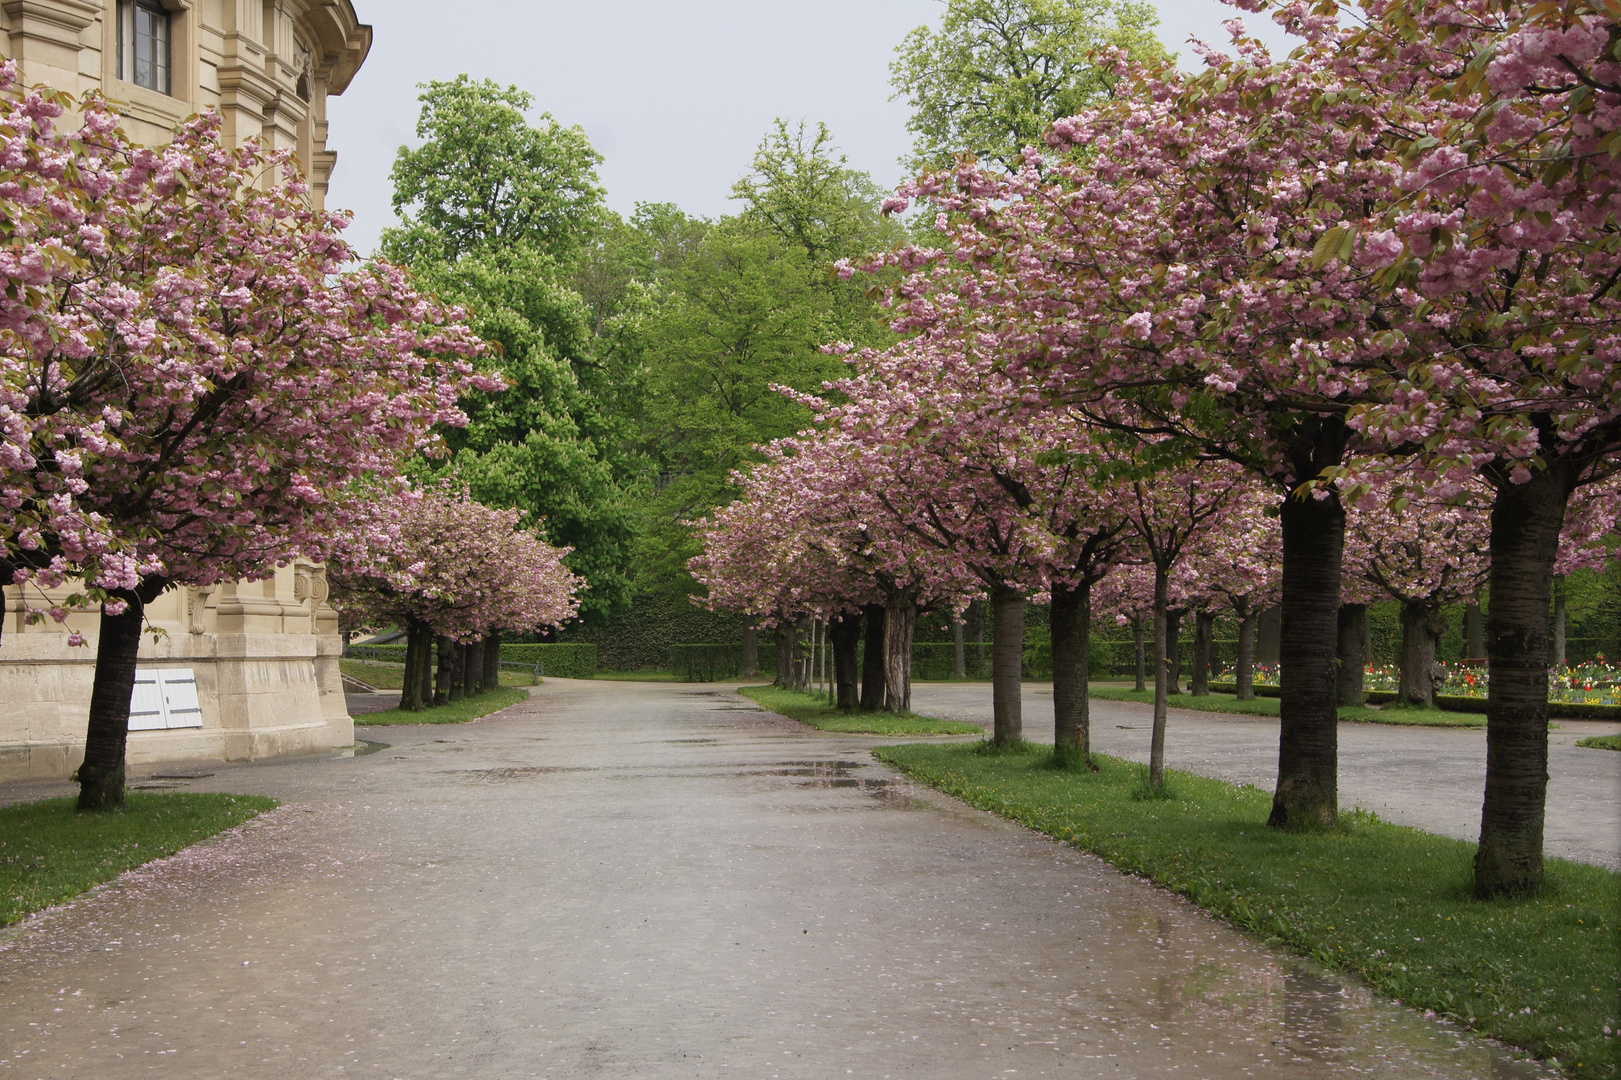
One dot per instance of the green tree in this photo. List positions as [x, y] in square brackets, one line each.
[740, 308]
[990, 78]
[485, 177]
[498, 215]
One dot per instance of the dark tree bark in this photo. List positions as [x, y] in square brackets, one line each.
[473, 667]
[751, 650]
[1163, 643]
[411, 685]
[900, 622]
[872, 659]
[843, 635]
[492, 661]
[1173, 649]
[1268, 631]
[1141, 655]
[1559, 659]
[958, 651]
[1352, 630]
[101, 776]
[1307, 795]
[1007, 664]
[1474, 633]
[1072, 660]
[1204, 635]
[1526, 519]
[1244, 666]
[783, 633]
[447, 671]
[1414, 686]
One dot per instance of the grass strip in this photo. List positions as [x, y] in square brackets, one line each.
[1388, 903]
[1601, 742]
[1268, 706]
[50, 853]
[457, 712]
[813, 710]
[638, 676]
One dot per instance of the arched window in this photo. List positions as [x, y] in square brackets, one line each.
[144, 44]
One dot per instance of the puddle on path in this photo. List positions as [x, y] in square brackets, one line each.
[361, 748]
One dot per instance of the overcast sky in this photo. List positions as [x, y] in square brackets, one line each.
[675, 94]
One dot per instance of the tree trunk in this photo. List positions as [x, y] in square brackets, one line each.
[958, 651]
[473, 667]
[1173, 651]
[843, 633]
[492, 662]
[1137, 640]
[411, 685]
[1204, 634]
[447, 671]
[1417, 655]
[1559, 658]
[751, 650]
[900, 621]
[1244, 666]
[1072, 660]
[1162, 676]
[1474, 632]
[101, 777]
[426, 669]
[1307, 796]
[1526, 519]
[784, 634]
[872, 661]
[1007, 663]
[1352, 630]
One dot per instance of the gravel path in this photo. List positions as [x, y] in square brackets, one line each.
[1430, 778]
[644, 880]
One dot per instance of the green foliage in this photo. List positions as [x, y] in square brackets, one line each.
[640, 639]
[498, 214]
[1601, 742]
[813, 709]
[706, 662]
[457, 712]
[50, 853]
[1390, 904]
[995, 73]
[485, 178]
[1268, 705]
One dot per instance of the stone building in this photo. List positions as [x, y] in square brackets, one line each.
[239, 671]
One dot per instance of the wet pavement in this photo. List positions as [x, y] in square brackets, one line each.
[1427, 777]
[657, 880]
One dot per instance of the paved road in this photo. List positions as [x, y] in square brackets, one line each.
[1430, 778]
[633, 880]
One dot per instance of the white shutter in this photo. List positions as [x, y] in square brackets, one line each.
[180, 704]
[146, 703]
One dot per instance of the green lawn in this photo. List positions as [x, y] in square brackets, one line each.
[458, 712]
[49, 852]
[1601, 742]
[1268, 706]
[1390, 904]
[813, 710]
[392, 676]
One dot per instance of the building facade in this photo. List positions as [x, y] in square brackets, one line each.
[240, 671]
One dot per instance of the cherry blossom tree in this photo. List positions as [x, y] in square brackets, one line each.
[1238, 565]
[210, 376]
[445, 566]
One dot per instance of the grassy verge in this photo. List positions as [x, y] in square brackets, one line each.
[1268, 706]
[1601, 742]
[812, 710]
[1388, 903]
[50, 853]
[392, 676]
[638, 676]
[457, 712]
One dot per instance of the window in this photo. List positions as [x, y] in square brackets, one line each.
[143, 44]
[164, 698]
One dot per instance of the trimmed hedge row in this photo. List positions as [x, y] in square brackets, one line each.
[1568, 710]
[563, 661]
[706, 662]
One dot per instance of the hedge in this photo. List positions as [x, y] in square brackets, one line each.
[563, 661]
[706, 662]
[1568, 710]
[640, 638]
